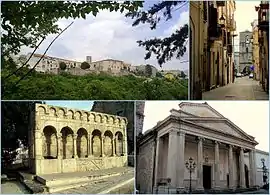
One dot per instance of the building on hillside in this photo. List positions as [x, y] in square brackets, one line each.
[263, 26]
[124, 109]
[212, 28]
[245, 51]
[147, 69]
[48, 63]
[198, 133]
[255, 49]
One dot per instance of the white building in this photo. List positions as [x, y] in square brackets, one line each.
[259, 155]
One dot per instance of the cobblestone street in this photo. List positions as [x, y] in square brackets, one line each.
[242, 89]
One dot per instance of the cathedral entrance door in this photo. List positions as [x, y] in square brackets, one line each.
[207, 177]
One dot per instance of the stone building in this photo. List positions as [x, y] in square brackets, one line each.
[255, 49]
[123, 109]
[263, 26]
[67, 140]
[212, 28]
[139, 117]
[260, 157]
[245, 51]
[196, 130]
[236, 62]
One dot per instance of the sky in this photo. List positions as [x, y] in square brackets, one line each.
[111, 35]
[245, 14]
[251, 116]
[80, 105]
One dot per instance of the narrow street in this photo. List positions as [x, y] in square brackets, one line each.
[243, 88]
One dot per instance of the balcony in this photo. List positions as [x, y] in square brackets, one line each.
[231, 24]
[214, 32]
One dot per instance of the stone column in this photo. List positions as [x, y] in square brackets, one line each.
[113, 146]
[200, 164]
[38, 151]
[176, 155]
[230, 164]
[252, 168]
[102, 146]
[217, 175]
[157, 160]
[59, 146]
[242, 168]
[75, 146]
[90, 145]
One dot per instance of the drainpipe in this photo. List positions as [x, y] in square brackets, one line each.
[154, 162]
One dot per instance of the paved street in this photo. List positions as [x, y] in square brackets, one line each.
[13, 187]
[242, 89]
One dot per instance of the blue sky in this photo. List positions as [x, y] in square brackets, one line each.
[111, 35]
[81, 105]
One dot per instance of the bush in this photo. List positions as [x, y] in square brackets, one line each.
[85, 65]
[62, 65]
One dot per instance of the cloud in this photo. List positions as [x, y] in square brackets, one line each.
[108, 35]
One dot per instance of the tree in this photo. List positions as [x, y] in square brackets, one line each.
[182, 74]
[159, 75]
[14, 126]
[62, 65]
[25, 23]
[163, 48]
[148, 70]
[85, 65]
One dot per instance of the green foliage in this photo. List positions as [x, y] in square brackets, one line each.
[98, 87]
[159, 75]
[148, 70]
[26, 22]
[62, 65]
[163, 48]
[182, 74]
[14, 126]
[85, 65]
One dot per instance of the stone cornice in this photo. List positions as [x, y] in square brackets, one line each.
[79, 115]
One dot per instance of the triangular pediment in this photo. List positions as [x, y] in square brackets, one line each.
[223, 125]
[199, 110]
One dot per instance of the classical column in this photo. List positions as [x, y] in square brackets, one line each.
[113, 146]
[175, 163]
[75, 146]
[89, 145]
[200, 164]
[102, 146]
[230, 164]
[157, 157]
[217, 176]
[59, 146]
[242, 168]
[252, 168]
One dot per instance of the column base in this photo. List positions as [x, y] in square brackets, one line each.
[199, 189]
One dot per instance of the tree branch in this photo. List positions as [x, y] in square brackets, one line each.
[42, 55]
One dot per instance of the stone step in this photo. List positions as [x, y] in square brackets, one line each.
[103, 186]
[64, 181]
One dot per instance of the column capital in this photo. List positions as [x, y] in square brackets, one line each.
[75, 136]
[216, 142]
[200, 139]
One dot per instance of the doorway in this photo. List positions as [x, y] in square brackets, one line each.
[207, 177]
[246, 176]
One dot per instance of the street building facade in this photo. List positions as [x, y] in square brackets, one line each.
[212, 28]
[255, 49]
[245, 51]
[263, 37]
[262, 165]
[198, 133]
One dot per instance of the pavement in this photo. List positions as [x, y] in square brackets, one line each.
[243, 88]
[13, 187]
[260, 191]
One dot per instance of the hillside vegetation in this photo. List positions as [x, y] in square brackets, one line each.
[39, 86]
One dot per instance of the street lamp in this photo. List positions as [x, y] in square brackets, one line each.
[222, 21]
[190, 165]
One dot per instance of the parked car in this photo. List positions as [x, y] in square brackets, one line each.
[238, 74]
[251, 76]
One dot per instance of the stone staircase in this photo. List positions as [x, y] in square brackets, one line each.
[64, 181]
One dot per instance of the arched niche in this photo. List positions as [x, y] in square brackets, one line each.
[108, 143]
[67, 136]
[82, 143]
[49, 142]
[119, 144]
[96, 143]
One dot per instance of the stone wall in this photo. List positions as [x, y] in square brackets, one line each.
[139, 116]
[64, 140]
